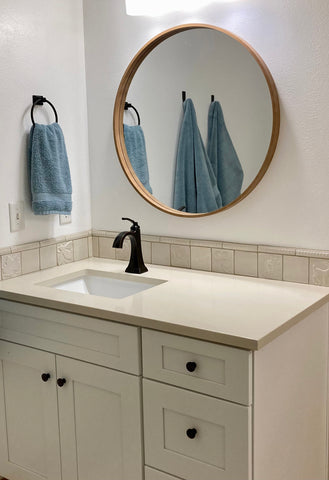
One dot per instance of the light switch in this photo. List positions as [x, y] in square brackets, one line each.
[16, 216]
[64, 219]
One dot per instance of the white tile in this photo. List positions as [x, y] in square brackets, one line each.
[124, 252]
[270, 266]
[65, 252]
[161, 254]
[11, 265]
[105, 247]
[146, 251]
[48, 257]
[80, 249]
[305, 252]
[240, 246]
[180, 256]
[295, 269]
[245, 263]
[30, 261]
[24, 246]
[95, 250]
[90, 246]
[222, 261]
[201, 258]
[278, 250]
[319, 272]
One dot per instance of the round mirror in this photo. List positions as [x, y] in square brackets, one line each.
[196, 120]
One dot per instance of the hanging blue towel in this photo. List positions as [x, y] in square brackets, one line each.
[49, 171]
[222, 155]
[195, 182]
[135, 145]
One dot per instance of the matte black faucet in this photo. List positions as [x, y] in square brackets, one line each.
[136, 263]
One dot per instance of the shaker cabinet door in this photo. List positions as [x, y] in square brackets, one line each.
[29, 432]
[100, 422]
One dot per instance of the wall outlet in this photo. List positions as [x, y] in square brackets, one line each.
[16, 216]
[64, 219]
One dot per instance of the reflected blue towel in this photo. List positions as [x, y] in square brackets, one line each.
[49, 171]
[222, 155]
[135, 145]
[195, 182]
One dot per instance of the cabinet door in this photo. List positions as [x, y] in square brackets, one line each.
[100, 422]
[29, 433]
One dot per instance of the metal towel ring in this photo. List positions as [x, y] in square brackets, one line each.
[40, 100]
[130, 105]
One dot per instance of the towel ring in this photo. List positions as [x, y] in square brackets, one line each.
[40, 100]
[129, 105]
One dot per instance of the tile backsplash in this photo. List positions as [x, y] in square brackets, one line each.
[263, 261]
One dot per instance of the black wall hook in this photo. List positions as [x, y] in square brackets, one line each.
[130, 105]
[40, 100]
[212, 98]
[183, 96]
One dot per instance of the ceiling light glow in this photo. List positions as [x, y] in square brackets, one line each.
[162, 7]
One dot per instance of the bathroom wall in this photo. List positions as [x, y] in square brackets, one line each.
[42, 52]
[289, 207]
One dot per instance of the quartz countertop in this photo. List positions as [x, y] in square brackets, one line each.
[233, 310]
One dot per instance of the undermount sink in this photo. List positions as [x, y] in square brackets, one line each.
[104, 284]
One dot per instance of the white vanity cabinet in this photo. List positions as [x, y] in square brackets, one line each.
[210, 411]
[63, 418]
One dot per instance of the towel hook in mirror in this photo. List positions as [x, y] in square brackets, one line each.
[40, 100]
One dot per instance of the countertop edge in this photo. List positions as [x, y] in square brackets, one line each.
[137, 321]
[173, 328]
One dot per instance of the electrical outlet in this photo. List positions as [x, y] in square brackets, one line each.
[64, 219]
[16, 216]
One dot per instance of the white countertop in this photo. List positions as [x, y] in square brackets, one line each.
[239, 311]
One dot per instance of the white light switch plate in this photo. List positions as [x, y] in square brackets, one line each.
[64, 219]
[16, 216]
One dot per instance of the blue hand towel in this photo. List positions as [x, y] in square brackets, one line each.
[222, 155]
[49, 171]
[135, 145]
[195, 182]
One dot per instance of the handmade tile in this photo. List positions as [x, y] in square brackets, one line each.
[245, 263]
[295, 269]
[180, 256]
[201, 258]
[222, 261]
[160, 254]
[270, 266]
[48, 257]
[30, 261]
[65, 252]
[11, 265]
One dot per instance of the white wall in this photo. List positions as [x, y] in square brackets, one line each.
[290, 205]
[42, 52]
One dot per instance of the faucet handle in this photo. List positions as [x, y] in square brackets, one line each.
[134, 226]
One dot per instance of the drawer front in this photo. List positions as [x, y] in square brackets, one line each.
[96, 341]
[194, 436]
[217, 370]
[151, 474]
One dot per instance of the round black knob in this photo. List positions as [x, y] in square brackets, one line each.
[191, 432]
[45, 377]
[61, 381]
[191, 366]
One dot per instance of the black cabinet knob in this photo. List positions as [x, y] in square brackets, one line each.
[191, 432]
[45, 377]
[191, 366]
[61, 381]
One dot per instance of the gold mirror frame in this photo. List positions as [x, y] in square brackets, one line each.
[119, 110]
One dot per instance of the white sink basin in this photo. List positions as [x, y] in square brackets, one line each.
[104, 284]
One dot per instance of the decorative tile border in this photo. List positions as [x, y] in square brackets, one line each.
[262, 261]
[31, 257]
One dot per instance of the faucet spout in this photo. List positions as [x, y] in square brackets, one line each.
[136, 262]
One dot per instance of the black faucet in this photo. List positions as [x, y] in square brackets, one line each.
[136, 263]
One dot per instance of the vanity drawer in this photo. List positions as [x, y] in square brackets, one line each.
[217, 370]
[96, 341]
[151, 474]
[194, 436]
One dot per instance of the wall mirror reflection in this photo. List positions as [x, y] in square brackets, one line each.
[196, 120]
